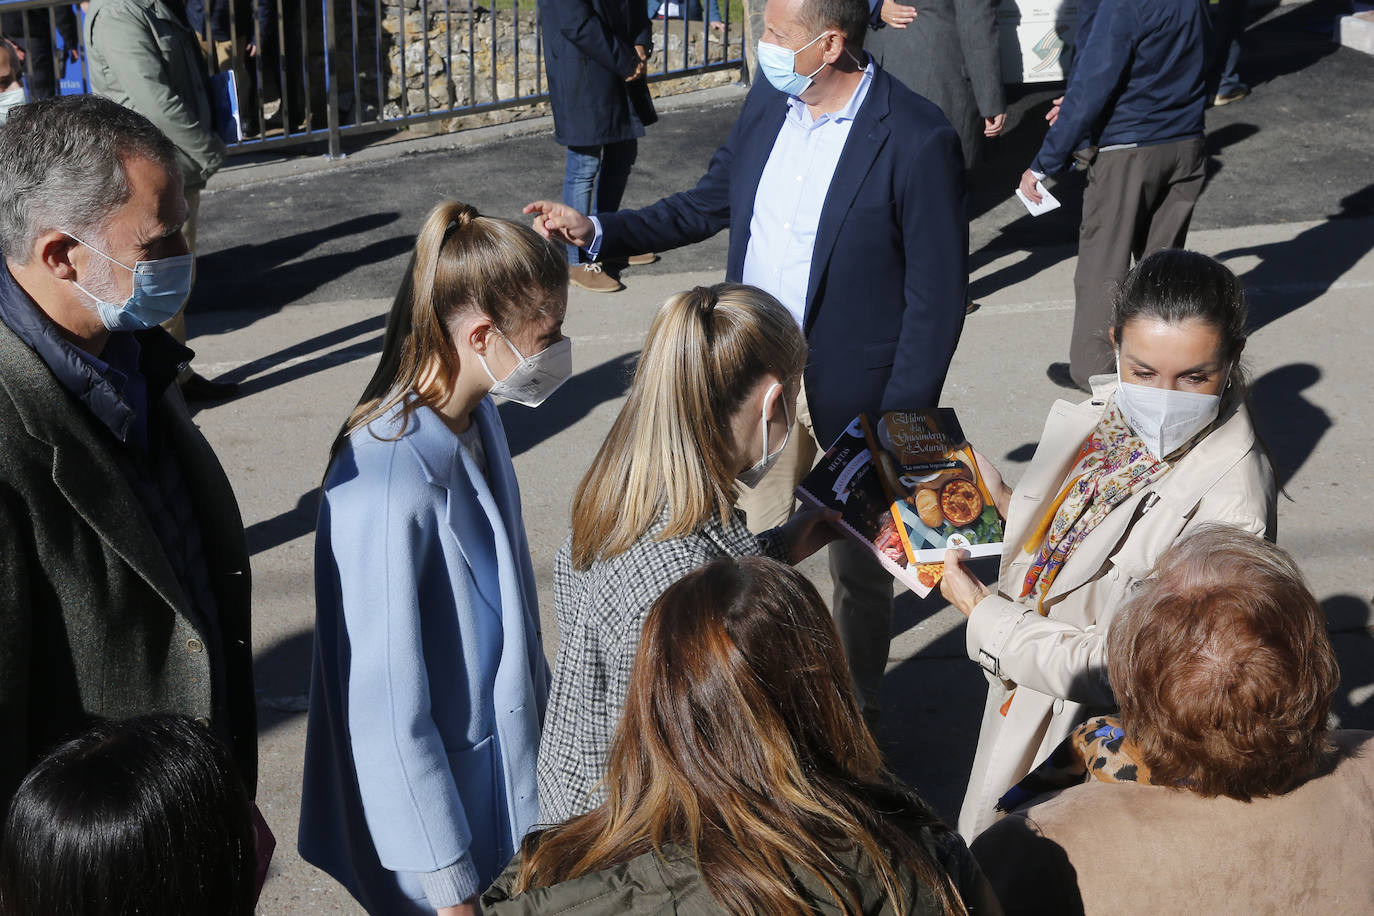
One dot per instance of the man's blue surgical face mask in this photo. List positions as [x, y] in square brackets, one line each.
[779, 65]
[161, 288]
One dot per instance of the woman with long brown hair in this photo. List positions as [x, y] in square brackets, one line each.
[710, 408]
[429, 678]
[742, 778]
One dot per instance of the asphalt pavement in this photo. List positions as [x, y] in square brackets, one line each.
[299, 261]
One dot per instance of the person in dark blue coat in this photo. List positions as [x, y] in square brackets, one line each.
[1133, 112]
[844, 194]
[595, 53]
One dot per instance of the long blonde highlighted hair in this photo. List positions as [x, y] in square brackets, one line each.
[742, 745]
[672, 443]
[463, 262]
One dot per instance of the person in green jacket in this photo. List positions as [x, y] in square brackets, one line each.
[742, 778]
[144, 55]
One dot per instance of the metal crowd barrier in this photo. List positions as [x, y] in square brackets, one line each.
[311, 71]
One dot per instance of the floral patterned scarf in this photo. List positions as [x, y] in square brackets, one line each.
[1112, 464]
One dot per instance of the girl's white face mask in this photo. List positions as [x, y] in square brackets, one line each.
[1165, 420]
[535, 377]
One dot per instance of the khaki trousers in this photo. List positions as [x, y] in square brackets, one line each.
[228, 57]
[862, 603]
[1137, 201]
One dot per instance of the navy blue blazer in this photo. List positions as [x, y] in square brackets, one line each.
[589, 49]
[889, 273]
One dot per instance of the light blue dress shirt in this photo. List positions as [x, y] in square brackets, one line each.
[789, 199]
[791, 193]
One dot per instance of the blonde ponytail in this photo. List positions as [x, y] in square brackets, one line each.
[462, 262]
[671, 445]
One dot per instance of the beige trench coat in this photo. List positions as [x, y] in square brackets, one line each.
[1058, 663]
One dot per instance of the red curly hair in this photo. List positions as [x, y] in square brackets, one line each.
[1223, 668]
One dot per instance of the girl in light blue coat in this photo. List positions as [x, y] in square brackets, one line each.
[429, 681]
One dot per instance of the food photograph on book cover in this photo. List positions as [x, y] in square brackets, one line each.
[907, 484]
[940, 496]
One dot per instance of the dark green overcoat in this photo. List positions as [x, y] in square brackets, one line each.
[94, 621]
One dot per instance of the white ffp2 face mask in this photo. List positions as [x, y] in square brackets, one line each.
[1165, 420]
[751, 476]
[535, 377]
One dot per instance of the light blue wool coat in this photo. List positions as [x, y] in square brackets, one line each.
[429, 681]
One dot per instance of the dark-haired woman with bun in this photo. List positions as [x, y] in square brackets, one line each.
[1164, 445]
[742, 779]
[429, 680]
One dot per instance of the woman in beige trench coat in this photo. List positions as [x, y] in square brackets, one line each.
[1097, 507]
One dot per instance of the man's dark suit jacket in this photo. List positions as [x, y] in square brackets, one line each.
[889, 273]
[94, 620]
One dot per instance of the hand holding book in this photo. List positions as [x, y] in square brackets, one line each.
[808, 531]
[908, 486]
[960, 587]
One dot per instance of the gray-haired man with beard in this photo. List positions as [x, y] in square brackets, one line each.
[124, 585]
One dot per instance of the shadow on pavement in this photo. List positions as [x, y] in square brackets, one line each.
[1004, 159]
[288, 364]
[1294, 272]
[1047, 239]
[286, 526]
[932, 705]
[1288, 423]
[936, 692]
[581, 394]
[1349, 618]
[257, 277]
[281, 675]
[1289, 42]
[1220, 139]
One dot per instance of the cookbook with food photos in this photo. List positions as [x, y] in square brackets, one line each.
[906, 484]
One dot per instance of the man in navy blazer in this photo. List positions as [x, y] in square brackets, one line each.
[845, 194]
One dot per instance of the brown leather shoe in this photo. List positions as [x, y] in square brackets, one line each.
[639, 260]
[592, 278]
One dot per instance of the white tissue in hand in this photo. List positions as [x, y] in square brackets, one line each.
[1047, 200]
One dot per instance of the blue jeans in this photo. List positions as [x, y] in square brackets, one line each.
[584, 192]
[1228, 24]
[693, 9]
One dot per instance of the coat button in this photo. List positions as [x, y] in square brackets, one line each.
[195, 645]
[202, 722]
[1058, 705]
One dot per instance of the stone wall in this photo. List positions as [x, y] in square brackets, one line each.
[436, 58]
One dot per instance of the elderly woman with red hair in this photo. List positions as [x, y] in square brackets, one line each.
[1221, 787]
